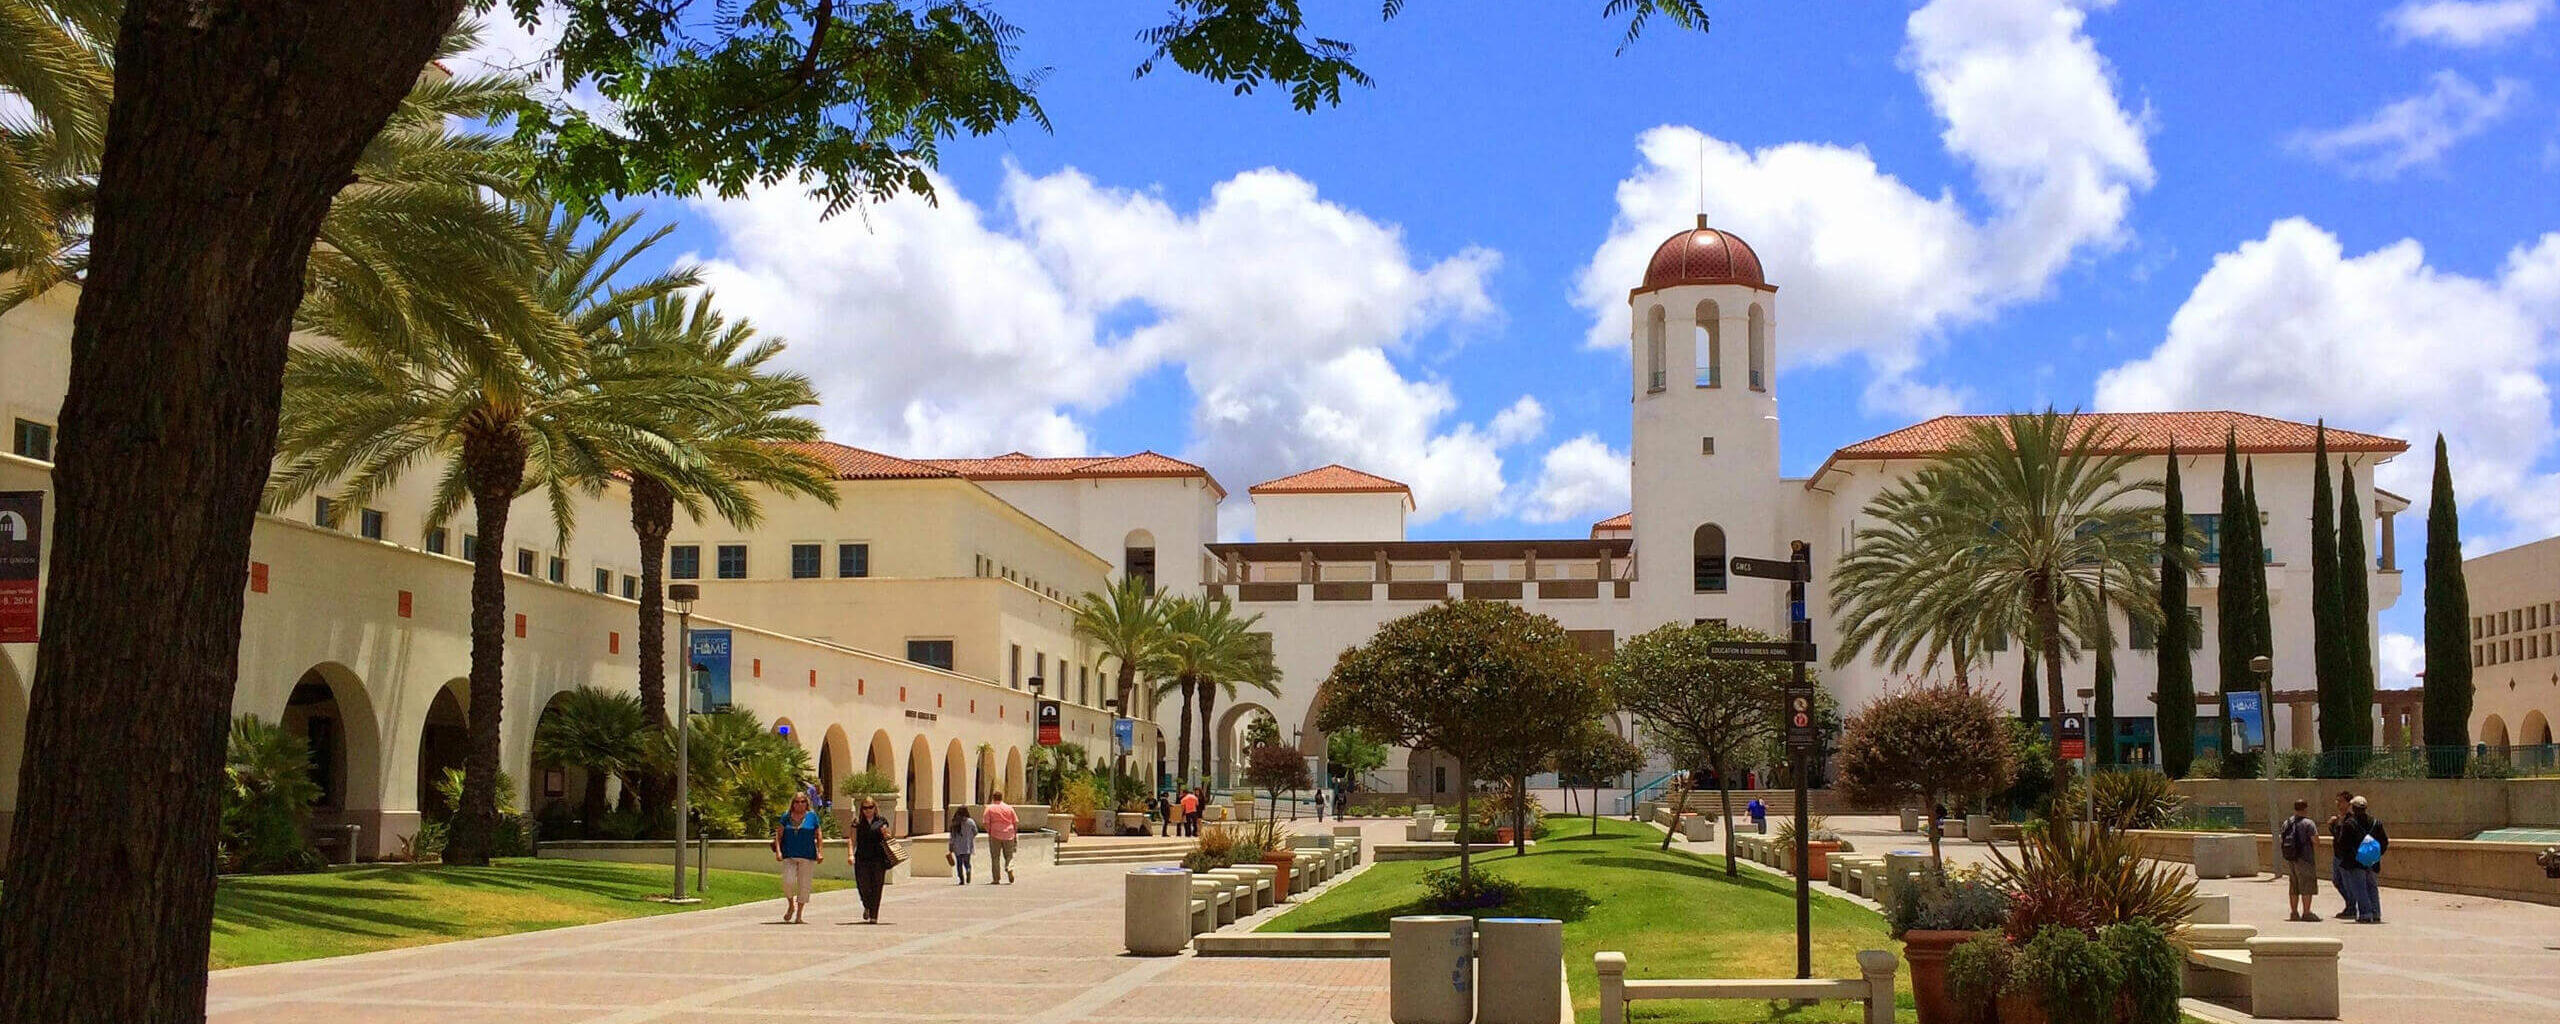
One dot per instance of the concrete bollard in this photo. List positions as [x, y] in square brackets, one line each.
[1431, 969]
[1523, 960]
[1157, 915]
[1908, 819]
[1877, 967]
[2209, 908]
[1977, 827]
[1611, 968]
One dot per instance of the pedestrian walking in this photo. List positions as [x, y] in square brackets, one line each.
[964, 842]
[2361, 852]
[2297, 841]
[2338, 856]
[1004, 827]
[1759, 816]
[871, 856]
[1190, 812]
[1320, 795]
[797, 839]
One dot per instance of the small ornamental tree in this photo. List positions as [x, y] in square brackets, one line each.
[1715, 711]
[1469, 679]
[1930, 741]
[1596, 754]
[1272, 767]
[1263, 731]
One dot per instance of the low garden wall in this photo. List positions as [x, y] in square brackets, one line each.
[2410, 808]
[2502, 870]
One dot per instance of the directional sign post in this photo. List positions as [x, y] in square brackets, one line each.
[1803, 736]
[1740, 651]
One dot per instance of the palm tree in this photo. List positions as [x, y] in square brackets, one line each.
[505, 413]
[707, 453]
[51, 60]
[1212, 649]
[1127, 625]
[2039, 507]
[599, 731]
[1183, 617]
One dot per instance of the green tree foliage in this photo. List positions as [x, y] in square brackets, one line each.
[2232, 605]
[2329, 652]
[604, 733]
[1469, 679]
[2176, 712]
[1350, 755]
[1126, 624]
[1262, 731]
[743, 773]
[2260, 622]
[1272, 767]
[1898, 600]
[1208, 649]
[1596, 754]
[2355, 608]
[2102, 688]
[1930, 742]
[2447, 686]
[1708, 709]
[266, 802]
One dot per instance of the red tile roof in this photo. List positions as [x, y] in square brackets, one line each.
[1333, 479]
[1621, 521]
[850, 463]
[2143, 433]
[1018, 466]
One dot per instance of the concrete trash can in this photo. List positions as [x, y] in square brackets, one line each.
[1977, 827]
[1523, 969]
[1431, 969]
[1157, 919]
[1910, 819]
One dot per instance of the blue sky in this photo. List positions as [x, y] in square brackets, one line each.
[2296, 209]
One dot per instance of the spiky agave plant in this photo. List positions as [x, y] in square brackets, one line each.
[2086, 879]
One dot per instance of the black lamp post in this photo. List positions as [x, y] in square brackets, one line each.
[1037, 685]
[682, 595]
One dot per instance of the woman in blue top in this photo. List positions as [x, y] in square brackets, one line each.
[964, 842]
[796, 841]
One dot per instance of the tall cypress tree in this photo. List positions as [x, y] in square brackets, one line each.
[2102, 693]
[2262, 630]
[2355, 609]
[2176, 694]
[2328, 625]
[2232, 607]
[2448, 682]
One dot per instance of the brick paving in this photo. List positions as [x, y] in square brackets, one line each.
[1047, 951]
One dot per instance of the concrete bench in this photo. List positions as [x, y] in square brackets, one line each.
[2233, 855]
[2281, 977]
[1874, 987]
[2209, 908]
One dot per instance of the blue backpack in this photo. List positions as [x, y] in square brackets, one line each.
[2369, 852]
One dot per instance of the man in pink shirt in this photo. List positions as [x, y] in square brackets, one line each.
[1191, 813]
[1003, 827]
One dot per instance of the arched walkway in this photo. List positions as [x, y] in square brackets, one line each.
[1229, 738]
[834, 755]
[2536, 730]
[921, 803]
[985, 781]
[444, 739]
[883, 756]
[560, 789]
[1013, 773]
[329, 709]
[955, 779]
[2493, 734]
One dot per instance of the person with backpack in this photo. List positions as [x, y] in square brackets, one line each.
[2297, 841]
[2361, 852]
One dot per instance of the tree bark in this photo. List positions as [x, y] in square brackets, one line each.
[2048, 611]
[493, 458]
[1466, 863]
[1724, 795]
[1519, 814]
[1208, 741]
[1182, 743]
[232, 128]
[653, 516]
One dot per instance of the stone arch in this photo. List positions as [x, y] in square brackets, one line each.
[1707, 560]
[329, 708]
[985, 777]
[883, 755]
[1138, 558]
[444, 740]
[922, 798]
[1758, 328]
[1228, 739]
[557, 785]
[2492, 734]
[1709, 338]
[782, 727]
[1013, 773]
[1655, 343]
[955, 778]
[2535, 732]
[835, 758]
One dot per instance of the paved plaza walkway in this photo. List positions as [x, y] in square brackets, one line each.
[1047, 951]
[2437, 958]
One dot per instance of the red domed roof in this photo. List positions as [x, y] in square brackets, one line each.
[1704, 256]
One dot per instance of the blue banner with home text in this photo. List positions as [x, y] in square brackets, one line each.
[710, 669]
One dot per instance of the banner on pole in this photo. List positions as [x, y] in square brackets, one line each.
[1049, 717]
[711, 669]
[21, 561]
[1124, 734]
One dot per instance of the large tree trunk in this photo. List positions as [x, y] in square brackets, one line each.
[653, 516]
[1182, 742]
[494, 461]
[1519, 814]
[232, 128]
[1466, 863]
[1208, 737]
[1724, 795]
[2048, 612]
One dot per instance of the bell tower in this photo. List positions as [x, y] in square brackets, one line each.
[1706, 428]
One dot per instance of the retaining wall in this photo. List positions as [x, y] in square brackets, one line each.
[2502, 870]
[2410, 808]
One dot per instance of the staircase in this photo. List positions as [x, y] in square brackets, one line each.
[1781, 803]
[1126, 851]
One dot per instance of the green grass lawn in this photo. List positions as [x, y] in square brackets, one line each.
[1675, 915]
[260, 919]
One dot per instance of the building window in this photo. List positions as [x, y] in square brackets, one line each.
[524, 561]
[1013, 667]
[1040, 670]
[2207, 529]
[604, 581]
[733, 561]
[1083, 695]
[324, 513]
[1139, 563]
[804, 561]
[470, 547]
[1759, 342]
[435, 541]
[631, 588]
[853, 561]
[1707, 560]
[2140, 635]
[1710, 344]
[936, 653]
[32, 440]
[369, 524]
[684, 561]
[559, 569]
[1653, 351]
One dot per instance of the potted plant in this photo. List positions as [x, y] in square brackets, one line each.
[2085, 939]
[1944, 911]
[2550, 860]
[1820, 843]
[872, 783]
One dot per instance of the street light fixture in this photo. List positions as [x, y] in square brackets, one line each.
[683, 595]
[1032, 779]
[1112, 705]
[2265, 669]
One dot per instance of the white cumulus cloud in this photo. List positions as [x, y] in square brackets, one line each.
[1579, 481]
[2291, 325]
[1870, 266]
[2464, 23]
[2415, 131]
[962, 330]
[2402, 657]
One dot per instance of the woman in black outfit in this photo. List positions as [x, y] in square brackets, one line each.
[871, 857]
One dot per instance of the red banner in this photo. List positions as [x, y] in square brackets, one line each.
[21, 558]
[1049, 714]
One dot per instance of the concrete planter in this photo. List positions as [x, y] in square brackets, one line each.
[1910, 819]
[1977, 827]
[2226, 855]
[1132, 822]
[1700, 829]
[1926, 952]
[849, 803]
